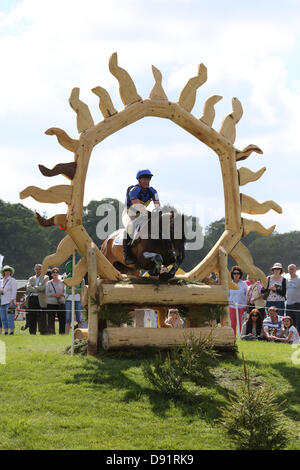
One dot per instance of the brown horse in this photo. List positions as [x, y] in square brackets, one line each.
[158, 241]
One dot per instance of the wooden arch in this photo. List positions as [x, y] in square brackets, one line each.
[91, 134]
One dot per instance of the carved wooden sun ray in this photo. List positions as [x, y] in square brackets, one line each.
[91, 134]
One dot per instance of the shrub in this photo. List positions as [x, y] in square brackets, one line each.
[254, 420]
[196, 357]
[80, 347]
[166, 375]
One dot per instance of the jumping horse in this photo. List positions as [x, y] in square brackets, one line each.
[158, 241]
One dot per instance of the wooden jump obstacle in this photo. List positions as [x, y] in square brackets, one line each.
[91, 134]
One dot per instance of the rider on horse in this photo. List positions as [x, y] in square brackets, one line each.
[138, 197]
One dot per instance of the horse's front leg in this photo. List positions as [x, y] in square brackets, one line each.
[154, 261]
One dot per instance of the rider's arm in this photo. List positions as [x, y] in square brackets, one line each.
[137, 205]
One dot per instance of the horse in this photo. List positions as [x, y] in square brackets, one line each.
[158, 241]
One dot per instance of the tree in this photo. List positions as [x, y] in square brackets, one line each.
[24, 243]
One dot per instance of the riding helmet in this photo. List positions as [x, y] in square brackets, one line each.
[144, 174]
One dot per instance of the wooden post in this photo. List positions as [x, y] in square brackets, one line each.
[224, 279]
[92, 307]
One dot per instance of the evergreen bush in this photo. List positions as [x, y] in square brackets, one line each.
[253, 418]
[166, 375]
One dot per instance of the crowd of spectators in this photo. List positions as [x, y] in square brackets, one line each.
[47, 298]
[257, 313]
[266, 314]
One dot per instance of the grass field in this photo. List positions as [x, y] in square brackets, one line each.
[51, 400]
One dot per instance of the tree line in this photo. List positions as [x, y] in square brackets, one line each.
[24, 243]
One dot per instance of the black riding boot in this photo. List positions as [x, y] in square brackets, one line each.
[128, 257]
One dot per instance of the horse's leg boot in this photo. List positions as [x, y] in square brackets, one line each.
[128, 257]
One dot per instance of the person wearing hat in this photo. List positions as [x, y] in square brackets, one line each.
[276, 289]
[138, 197]
[8, 293]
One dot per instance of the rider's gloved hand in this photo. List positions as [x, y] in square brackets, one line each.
[157, 209]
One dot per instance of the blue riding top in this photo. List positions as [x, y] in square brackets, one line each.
[144, 196]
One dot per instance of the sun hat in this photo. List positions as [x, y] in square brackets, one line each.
[278, 266]
[6, 268]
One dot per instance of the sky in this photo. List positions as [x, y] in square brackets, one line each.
[251, 50]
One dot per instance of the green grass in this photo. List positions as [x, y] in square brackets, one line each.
[50, 400]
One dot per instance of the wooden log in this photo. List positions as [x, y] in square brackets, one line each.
[92, 307]
[84, 296]
[81, 238]
[228, 240]
[81, 333]
[242, 256]
[145, 294]
[80, 270]
[64, 250]
[164, 337]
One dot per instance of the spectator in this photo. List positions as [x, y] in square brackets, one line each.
[174, 320]
[253, 327]
[293, 296]
[276, 288]
[237, 296]
[78, 306]
[8, 293]
[272, 324]
[56, 303]
[68, 299]
[254, 296]
[36, 302]
[289, 334]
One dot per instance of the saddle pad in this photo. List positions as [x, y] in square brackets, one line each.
[119, 238]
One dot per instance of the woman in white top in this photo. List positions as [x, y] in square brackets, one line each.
[289, 334]
[277, 289]
[55, 303]
[237, 297]
[8, 292]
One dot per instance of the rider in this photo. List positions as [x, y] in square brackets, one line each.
[138, 197]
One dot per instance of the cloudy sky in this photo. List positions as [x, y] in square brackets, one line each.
[251, 50]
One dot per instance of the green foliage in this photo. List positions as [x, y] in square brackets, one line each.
[196, 357]
[166, 375]
[90, 219]
[118, 314]
[254, 420]
[190, 362]
[24, 243]
[80, 347]
[207, 312]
